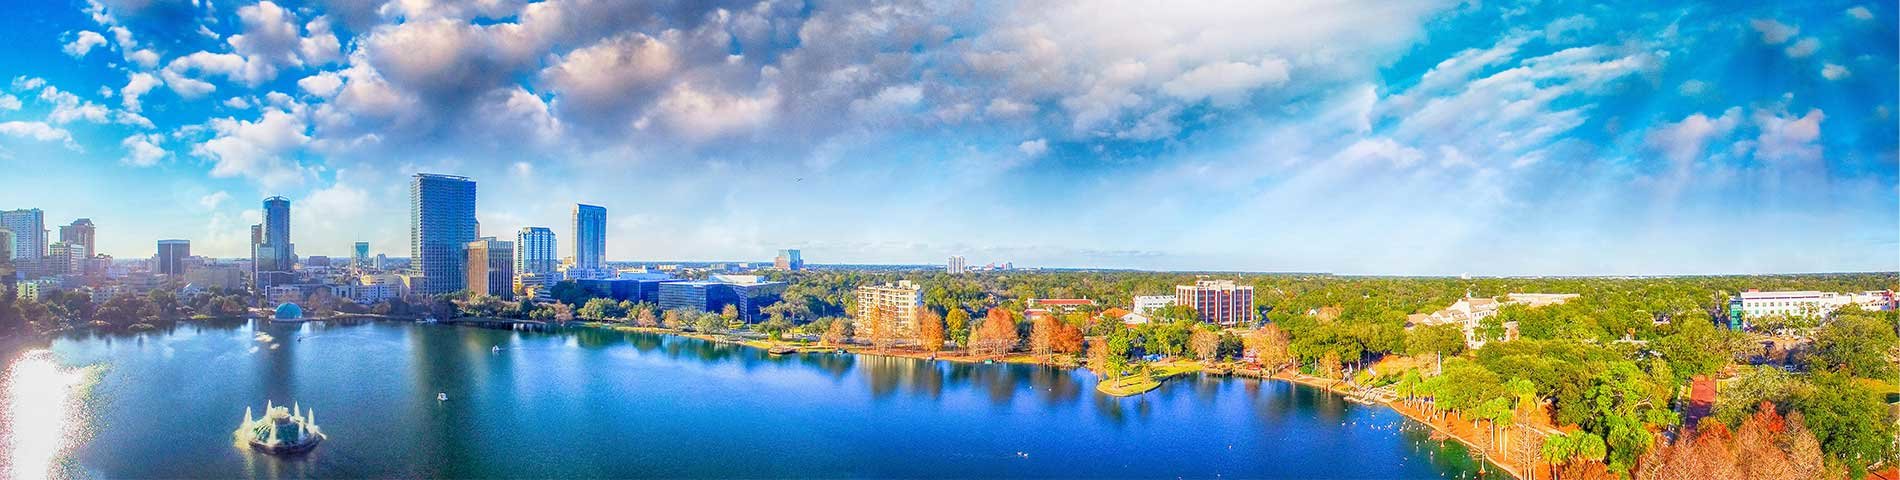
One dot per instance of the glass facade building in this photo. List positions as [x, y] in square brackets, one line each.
[535, 251]
[590, 237]
[172, 255]
[441, 223]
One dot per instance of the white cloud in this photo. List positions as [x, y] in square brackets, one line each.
[269, 40]
[9, 102]
[239, 103]
[1034, 148]
[1860, 13]
[25, 83]
[214, 200]
[143, 150]
[83, 44]
[1834, 72]
[321, 47]
[1774, 32]
[322, 84]
[68, 107]
[259, 150]
[1692, 88]
[137, 85]
[145, 58]
[38, 131]
[1803, 48]
[1687, 140]
[1226, 83]
[701, 115]
[1789, 138]
[179, 73]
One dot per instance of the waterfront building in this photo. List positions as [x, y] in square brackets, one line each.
[7, 273]
[590, 237]
[63, 259]
[171, 257]
[274, 257]
[491, 268]
[956, 266]
[535, 252]
[1220, 302]
[441, 224]
[361, 257]
[746, 293]
[1147, 304]
[788, 260]
[1470, 312]
[81, 232]
[1809, 304]
[902, 300]
[29, 238]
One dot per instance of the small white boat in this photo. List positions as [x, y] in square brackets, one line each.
[495, 349]
[442, 396]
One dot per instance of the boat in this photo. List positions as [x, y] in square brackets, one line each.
[442, 397]
[781, 350]
[281, 431]
[495, 349]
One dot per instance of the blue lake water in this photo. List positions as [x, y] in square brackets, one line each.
[597, 403]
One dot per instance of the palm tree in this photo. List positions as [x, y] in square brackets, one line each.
[1558, 450]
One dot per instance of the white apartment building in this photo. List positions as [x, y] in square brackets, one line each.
[1757, 304]
[957, 265]
[904, 300]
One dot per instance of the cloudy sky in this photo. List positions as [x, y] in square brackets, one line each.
[1379, 137]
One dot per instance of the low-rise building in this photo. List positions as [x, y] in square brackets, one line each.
[902, 301]
[1220, 302]
[1147, 304]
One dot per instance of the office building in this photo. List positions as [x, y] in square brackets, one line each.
[273, 256]
[956, 266]
[361, 255]
[535, 252]
[441, 224]
[491, 268]
[7, 273]
[590, 237]
[1220, 302]
[788, 260]
[903, 301]
[171, 257]
[63, 258]
[80, 233]
[1810, 304]
[29, 238]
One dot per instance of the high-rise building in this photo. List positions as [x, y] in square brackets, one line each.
[7, 276]
[535, 251]
[172, 255]
[274, 256]
[901, 301]
[491, 268]
[29, 232]
[361, 259]
[590, 237]
[81, 233]
[63, 258]
[441, 224]
[956, 266]
[788, 260]
[1218, 301]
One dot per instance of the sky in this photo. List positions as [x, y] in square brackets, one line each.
[1359, 137]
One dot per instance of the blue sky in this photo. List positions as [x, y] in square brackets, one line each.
[1418, 137]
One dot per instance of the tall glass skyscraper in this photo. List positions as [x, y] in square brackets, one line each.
[441, 224]
[590, 237]
[29, 232]
[172, 255]
[362, 255]
[535, 251]
[274, 256]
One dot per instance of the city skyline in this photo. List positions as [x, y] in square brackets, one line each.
[1423, 139]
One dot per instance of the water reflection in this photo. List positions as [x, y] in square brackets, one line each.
[44, 415]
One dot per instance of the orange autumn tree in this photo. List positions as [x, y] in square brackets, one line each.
[930, 331]
[1068, 339]
[996, 335]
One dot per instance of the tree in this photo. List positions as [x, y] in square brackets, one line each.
[1042, 334]
[996, 335]
[880, 329]
[707, 322]
[1850, 421]
[1329, 366]
[729, 313]
[957, 326]
[1858, 345]
[673, 319]
[644, 317]
[600, 309]
[930, 331]
[569, 292]
[1205, 344]
[1446, 339]
[1269, 347]
[838, 332]
[122, 309]
[1068, 339]
[775, 326]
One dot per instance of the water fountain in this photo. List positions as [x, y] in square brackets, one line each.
[281, 431]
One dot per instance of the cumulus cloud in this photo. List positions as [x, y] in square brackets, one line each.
[38, 131]
[1803, 48]
[1034, 148]
[322, 84]
[1685, 141]
[214, 200]
[1226, 83]
[1834, 72]
[83, 43]
[1860, 12]
[143, 150]
[262, 150]
[68, 107]
[1789, 138]
[9, 102]
[1774, 32]
[137, 85]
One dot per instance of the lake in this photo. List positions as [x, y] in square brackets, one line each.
[583, 402]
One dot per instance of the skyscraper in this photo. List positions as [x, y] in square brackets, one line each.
[172, 255]
[63, 258]
[29, 232]
[788, 260]
[6, 258]
[273, 256]
[362, 255]
[956, 266]
[535, 251]
[590, 237]
[80, 233]
[1220, 302]
[441, 224]
[491, 268]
